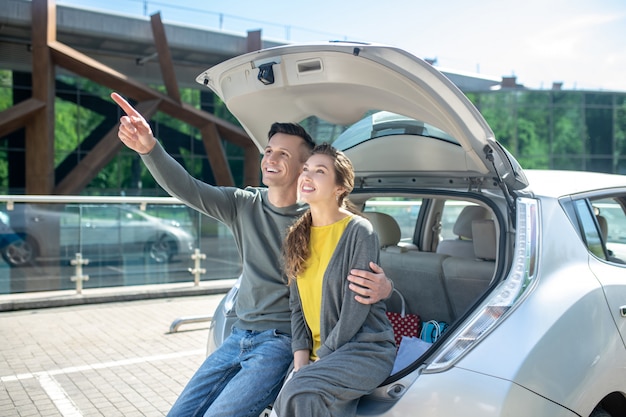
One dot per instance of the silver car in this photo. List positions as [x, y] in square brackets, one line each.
[522, 272]
[43, 233]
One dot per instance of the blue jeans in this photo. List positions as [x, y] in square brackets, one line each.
[239, 379]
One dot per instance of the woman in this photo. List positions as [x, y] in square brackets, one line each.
[342, 349]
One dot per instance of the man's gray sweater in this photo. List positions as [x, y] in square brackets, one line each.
[258, 228]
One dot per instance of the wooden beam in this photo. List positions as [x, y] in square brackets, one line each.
[99, 156]
[217, 156]
[89, 68]
[18, 116]
[47, 52]
[44, 20]
[40, 129]
[165, 57]
[199, 118]
[254, 40]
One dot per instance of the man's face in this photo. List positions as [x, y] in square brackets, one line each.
[282, 160]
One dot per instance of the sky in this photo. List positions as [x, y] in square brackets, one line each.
[579, 43]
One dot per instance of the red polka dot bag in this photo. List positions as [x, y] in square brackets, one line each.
[404, 324]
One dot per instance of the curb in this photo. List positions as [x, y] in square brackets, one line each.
[30, 301]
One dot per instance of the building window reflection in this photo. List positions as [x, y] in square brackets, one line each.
[543, 129]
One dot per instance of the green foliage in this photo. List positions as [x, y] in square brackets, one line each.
[73, 124]
[6, 95]
[222, 112]
[533, 151]
[4, 172]
[533, 130]
[497, 110]
[558, 129]
[85, 86]
[6, 101]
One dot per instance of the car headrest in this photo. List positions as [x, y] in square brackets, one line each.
[386, 227]
[463, 225]
[484, 238]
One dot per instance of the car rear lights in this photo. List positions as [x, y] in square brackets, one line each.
[508, 294]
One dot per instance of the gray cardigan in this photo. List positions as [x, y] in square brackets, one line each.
[357, 350]
[344, 320]
[258, 228]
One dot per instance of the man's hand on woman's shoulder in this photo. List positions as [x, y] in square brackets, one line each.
[370, 286]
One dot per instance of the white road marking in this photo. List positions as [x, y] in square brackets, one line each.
[57, 394]
[102, 365]
[59, 397]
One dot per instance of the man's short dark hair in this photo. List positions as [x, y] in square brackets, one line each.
[292, 129]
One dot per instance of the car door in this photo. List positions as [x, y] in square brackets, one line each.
[609, 270]
[100, 231]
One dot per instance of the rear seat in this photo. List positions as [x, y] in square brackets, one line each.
[388, 230]
[466, 279]
[417, 275]
[462, 245]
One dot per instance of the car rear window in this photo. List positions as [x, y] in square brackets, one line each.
[381, 124]
[404, 210]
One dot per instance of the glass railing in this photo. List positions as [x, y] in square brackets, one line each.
[59, 242]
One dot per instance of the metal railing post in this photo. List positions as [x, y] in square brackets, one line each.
[196, 270]
[186, 320]
[78, 262]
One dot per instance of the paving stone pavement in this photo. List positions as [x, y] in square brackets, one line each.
[110, 359]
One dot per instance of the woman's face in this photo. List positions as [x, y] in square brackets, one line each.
[318, 182]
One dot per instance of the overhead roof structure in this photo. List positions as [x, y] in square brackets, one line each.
[126, 43]
[126, 54]
[122, 42]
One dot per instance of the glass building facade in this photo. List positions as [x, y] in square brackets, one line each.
[543, 129]
[559, 129]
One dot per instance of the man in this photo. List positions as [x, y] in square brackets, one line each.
[245, 373]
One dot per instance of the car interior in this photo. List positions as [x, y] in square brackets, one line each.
[443, 274]
[609, 214]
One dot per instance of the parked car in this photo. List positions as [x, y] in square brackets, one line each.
[8, 237]
[529, 276]
[100, 232]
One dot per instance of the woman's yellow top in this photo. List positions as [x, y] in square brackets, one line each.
[323, 242]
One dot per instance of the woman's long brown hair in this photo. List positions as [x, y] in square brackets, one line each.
[296, 249]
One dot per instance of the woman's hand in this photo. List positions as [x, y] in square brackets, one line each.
[301, 358]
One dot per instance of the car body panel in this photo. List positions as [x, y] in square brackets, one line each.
[460, 392]
[612, 279]
[564, 183]
[7, 234]
[536, 349]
